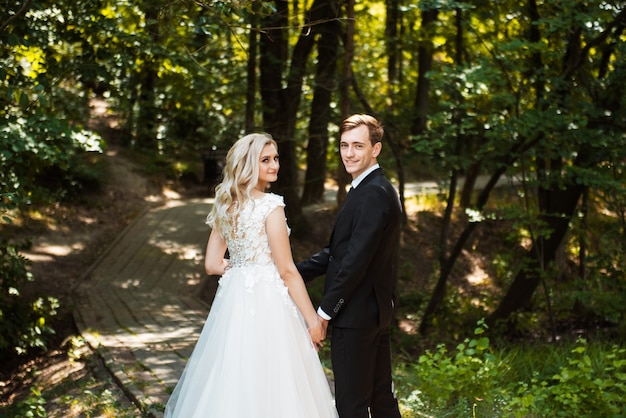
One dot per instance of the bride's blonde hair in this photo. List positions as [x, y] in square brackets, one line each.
[240, 176]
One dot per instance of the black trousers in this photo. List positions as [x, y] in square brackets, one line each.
[361, 359]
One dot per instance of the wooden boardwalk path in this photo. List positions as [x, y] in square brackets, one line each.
[142, 305]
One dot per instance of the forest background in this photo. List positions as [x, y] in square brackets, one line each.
[529, 96]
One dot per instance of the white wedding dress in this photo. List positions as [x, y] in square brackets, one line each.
[254, 357]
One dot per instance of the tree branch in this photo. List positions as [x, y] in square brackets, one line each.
[620, 19]
[20, 12]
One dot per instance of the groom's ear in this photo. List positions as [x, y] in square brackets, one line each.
[377, 148]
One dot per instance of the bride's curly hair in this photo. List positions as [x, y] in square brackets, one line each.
[240, 176]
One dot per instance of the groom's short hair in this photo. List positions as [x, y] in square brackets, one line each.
[374, 127]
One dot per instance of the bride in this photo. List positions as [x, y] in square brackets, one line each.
[256, 356]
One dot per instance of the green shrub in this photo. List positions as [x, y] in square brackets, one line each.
[24, 323]
[535, 381]
[42, 157]
[463, 383]
[583, 388]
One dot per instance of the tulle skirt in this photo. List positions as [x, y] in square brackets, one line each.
[254, 357]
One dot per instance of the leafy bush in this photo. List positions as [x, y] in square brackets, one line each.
[24, 324]
[475, 381]
[582, 388]
[459, 384]
[39, 155]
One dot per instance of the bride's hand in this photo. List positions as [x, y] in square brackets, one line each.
[317, 331]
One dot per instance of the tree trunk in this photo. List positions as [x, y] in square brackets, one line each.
[439, 292]
[148, 112]
[425, 63]
[392, 40]
[273, 50]
[469, 181]
[560, 205]
[253, 40]
[325, 85]
[341, 176]
[281, 104]
[393, 47]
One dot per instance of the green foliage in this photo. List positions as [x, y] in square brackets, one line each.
[515, 104]
[453, 384]
[598, 298]
[475, 380]
[43, 110]
[582, 388]
[31, 407]
[39, 157]
[24, 323]
[97, 403]
[181, 90]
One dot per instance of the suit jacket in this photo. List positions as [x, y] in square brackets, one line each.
[361, 259]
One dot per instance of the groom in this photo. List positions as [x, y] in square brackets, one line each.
[360, 264]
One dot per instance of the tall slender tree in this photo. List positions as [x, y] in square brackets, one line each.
[320, 115]
[281, 92]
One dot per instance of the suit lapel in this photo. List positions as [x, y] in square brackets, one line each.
[345, 204]
[352, 194]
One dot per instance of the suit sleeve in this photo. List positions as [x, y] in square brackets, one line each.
[368, 223]
[315, 266]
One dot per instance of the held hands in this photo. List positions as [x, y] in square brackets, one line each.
[317, 331]
[324, 322]
[226, 264]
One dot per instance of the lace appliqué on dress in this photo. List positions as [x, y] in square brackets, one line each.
[250, 255]
[245, 234]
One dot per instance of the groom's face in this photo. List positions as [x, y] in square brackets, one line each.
[357, 152]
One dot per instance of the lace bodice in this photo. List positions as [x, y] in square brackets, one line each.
[245, 235]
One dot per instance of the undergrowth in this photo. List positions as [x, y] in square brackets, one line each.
[577, 379]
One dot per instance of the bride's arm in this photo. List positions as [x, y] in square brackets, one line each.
[214, 262]
[278, 237]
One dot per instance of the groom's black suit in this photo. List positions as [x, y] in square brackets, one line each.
[360, 264]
